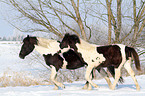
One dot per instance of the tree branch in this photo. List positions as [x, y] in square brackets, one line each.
[79, 20]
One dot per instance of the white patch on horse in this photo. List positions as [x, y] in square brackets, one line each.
[91, 57]
[47, 46]
[122, 54]
[64, 61]
[89, 53]
[65, 49]
[64, 64]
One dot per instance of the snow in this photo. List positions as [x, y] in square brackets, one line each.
[74, 89]
[15, 71]
[12, 64]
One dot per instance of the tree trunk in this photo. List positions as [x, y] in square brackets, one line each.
[118, 21]
[78, 18]
[109, 20]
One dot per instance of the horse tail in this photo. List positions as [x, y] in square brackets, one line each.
[131, 52]
[112, 71]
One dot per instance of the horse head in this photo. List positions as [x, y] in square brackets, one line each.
[28, 46]
[69, 40]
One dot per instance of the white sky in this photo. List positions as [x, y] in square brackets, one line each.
[5, 28]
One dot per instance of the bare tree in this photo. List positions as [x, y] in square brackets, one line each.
[109, 20]
[137, 27]
[119, 23]
[138, 17]
[50, 14]
[60, 16]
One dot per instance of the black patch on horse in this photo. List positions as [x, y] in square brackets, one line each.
[112, 55]
[55, 60]
[70, 40]
[73, 59]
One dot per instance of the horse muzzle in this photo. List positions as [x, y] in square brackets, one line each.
[22, 57]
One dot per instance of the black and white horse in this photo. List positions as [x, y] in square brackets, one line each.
[117, 55]
[57, 58]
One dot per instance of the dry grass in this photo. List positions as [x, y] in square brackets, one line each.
[12, 78]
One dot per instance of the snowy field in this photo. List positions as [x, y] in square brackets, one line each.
[12, 68]
[74, 89]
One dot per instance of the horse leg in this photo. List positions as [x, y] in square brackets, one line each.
[87, 76]
[117, 76]
[131, 73]
[112, 71]
[88, 85]
[105, 75]
[53, 78]
[92, 77]
[108, 81]
[55, 86]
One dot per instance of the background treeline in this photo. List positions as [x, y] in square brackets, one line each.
[12, 38]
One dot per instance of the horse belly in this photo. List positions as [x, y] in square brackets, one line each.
[75, 65]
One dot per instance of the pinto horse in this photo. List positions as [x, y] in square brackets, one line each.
[56, 58]
[117, 55]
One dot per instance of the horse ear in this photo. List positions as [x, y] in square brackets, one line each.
[28, 36]
[76, 38]
[67, 34]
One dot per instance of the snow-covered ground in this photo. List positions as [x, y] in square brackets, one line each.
[74, 89]
[15, 72]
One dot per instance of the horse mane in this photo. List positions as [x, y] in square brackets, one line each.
[45, 42]
[47, 46]
[84, 44]
[79, 42]
[73, 37]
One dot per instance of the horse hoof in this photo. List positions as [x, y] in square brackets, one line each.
[89, 88]
[112, 88]
[55, 88]
[138, 89]
[96, 86]
[85, 86]
[63, 86]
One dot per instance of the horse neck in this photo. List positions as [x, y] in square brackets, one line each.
[85, 45]
[44, 42]
[47, 46]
